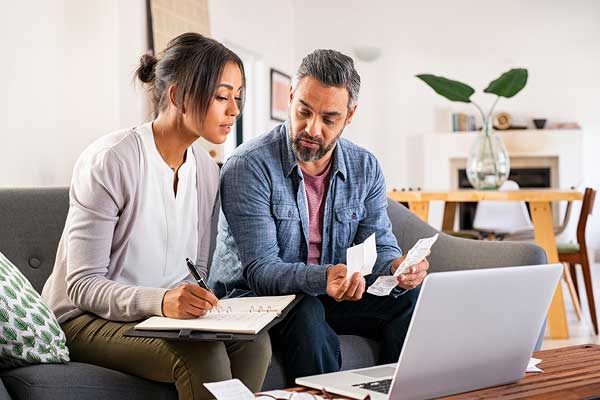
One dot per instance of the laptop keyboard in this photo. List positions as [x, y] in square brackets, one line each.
[382, 386]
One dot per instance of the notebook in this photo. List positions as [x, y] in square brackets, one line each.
[247, 315]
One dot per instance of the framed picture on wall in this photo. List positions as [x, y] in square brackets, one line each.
[280, 91]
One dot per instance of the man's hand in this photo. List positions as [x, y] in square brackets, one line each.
[341, 288]
[413, 276]
[188, 301]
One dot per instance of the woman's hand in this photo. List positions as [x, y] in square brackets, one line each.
[188, 301]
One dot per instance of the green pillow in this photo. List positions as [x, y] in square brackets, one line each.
[29, 331]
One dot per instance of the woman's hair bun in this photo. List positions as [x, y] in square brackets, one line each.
[145, 71]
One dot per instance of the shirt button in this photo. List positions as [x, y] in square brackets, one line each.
[354, 215]
[289, 214]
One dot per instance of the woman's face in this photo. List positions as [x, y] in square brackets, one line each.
[223, 109]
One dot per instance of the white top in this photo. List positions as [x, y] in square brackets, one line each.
[166, 230]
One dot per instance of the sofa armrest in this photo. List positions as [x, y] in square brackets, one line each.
[450, 253]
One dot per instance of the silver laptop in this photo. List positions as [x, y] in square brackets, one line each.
[470, 330]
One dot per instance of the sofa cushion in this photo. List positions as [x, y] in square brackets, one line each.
[80, 381]
[29, 331]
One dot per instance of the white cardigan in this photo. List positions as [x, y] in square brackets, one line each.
[104, 202]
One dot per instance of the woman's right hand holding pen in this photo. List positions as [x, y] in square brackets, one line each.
[188, 301]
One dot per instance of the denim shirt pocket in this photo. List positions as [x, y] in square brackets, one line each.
[287, 223]
[347, 219]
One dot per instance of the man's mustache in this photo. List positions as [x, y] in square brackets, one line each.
[305, 136]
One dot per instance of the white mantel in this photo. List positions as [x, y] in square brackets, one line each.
[440, 153]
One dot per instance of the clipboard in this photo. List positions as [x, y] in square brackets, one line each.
[203, 336]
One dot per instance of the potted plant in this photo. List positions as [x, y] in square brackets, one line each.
[488, 164]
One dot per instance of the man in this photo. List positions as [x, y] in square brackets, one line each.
[293, 201]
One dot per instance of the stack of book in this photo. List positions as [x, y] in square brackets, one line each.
[463, 122]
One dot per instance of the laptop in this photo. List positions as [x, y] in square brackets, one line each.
[470, 330]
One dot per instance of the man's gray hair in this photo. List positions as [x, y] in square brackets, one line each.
[331, 68]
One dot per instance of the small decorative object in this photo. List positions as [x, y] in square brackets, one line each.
[280, 94]
[488, 164]
[502, 120]
[565, 125]
[539, 123]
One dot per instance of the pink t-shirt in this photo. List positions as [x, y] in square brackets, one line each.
[316, 190]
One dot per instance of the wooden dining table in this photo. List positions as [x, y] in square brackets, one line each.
[541, 214]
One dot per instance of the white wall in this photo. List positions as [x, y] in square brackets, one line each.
[472, 41]
[67, 67]
[261, 32]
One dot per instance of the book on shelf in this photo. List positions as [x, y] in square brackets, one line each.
[463, 122]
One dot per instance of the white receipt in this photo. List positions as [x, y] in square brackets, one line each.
[532, 366]
[361, 258]
[232, 389]
[384, 284]
[283, 394]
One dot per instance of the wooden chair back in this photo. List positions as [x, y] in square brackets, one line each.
[587, 206]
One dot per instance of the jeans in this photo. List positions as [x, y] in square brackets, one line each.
[309, 333]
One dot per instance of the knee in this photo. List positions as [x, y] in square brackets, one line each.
[261, 348]
[309, 311]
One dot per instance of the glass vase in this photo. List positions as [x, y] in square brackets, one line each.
[488, 164]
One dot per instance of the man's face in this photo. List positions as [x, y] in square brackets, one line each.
[318, 115]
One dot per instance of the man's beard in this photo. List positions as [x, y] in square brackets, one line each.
[308, 154]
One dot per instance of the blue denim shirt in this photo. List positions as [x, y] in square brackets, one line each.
[264, 212]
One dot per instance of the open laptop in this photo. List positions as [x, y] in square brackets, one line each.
[470, 330]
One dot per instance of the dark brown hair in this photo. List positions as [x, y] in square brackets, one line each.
[194, 64]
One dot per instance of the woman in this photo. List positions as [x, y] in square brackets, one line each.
[141, 202]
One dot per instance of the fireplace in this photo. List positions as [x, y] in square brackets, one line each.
[527, 178]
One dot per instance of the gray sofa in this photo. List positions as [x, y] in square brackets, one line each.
[32, 220]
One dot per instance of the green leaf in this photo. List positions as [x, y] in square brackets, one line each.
[16, 284]
[10, 292]
[33, 358]
[452, 90]
[21, 325]
[18, 349]
[509, 83]
[3, 341]
[9, 333]
[46, 337]
[54, 329]
[43, 349]
[37, 319]
[29, 341]
[3, 315]
[31, 298]
[25, 303]
[17, 309]
[43, 311]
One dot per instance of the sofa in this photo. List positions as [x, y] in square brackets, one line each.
[32, 220]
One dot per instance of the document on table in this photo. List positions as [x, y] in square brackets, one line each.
[232, 389]
[532, 366]
[361, 258]
[284, 394]
[384, 284]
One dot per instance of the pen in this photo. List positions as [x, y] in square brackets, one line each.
[196, 275]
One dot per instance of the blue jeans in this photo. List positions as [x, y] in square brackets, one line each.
[309, 334]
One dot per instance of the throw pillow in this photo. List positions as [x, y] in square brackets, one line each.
[29, 331]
